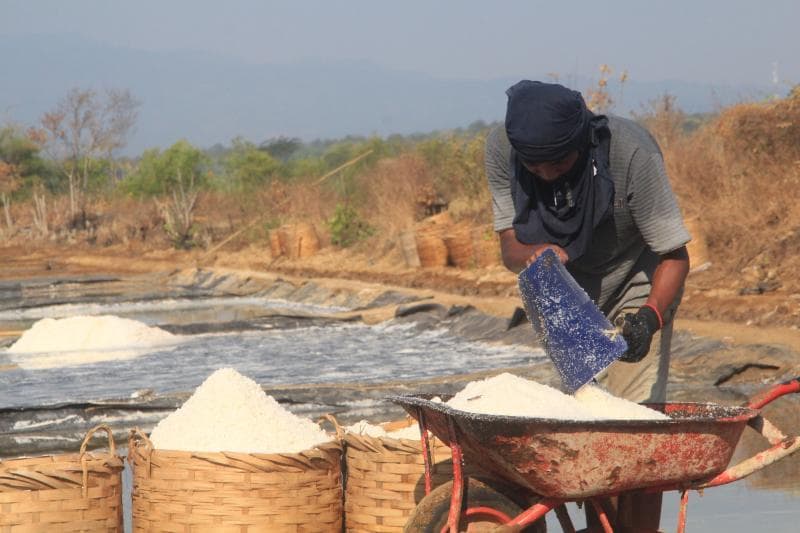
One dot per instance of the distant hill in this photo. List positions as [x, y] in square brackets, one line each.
[207, 98]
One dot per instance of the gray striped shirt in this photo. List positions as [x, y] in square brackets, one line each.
[617, 267]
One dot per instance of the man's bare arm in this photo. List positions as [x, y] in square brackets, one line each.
[668, 279]
[517, 255]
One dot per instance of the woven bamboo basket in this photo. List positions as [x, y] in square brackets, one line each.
[486, 245]
[299, 240]
[431, 249]
[65, 492]
[241, 492]
[460, 252]
[386, 479]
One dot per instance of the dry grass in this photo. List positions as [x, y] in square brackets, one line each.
[391, 190]
[738, 176]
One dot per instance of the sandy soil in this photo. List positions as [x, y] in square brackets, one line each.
[711, 307]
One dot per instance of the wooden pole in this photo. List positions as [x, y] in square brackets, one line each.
[343, 166]
[253, 222]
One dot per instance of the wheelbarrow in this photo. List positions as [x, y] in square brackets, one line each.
[536, 465]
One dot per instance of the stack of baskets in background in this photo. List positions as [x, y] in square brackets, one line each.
[460, 251]
[193, 491]
[441, 242]
[386, 478]
[429, 235]
[294, 241]
[65, 492]
[486, 246]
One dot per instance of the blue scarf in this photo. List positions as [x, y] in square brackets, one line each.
[545, 122]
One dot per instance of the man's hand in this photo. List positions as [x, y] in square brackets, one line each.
[638, 330]
[538, 249]
[517, 256]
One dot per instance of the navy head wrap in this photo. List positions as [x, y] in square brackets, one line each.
[545, 122]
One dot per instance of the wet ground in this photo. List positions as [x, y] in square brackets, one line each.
[307, 347]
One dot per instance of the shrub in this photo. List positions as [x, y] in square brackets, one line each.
[347, 227]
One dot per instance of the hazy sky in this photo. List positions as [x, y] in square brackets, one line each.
[716, 41]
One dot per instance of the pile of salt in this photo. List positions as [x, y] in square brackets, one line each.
[230, 412]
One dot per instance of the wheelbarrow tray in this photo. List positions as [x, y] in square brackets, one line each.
[574, 460]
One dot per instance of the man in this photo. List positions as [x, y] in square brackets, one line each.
[593, 188]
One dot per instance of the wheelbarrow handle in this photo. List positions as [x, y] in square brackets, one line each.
[782, 446]
[778, 451]
[773, 393]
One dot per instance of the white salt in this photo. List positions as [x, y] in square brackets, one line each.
[79, 340]
[363, 427]
[607, 406]
[510, 395]
[230, 412]
[507, 394]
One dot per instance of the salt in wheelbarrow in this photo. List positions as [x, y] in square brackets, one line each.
[544, 463]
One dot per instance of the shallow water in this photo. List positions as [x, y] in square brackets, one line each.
[281, 352]
[335, 353]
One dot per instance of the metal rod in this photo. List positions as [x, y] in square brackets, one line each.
[499, 516]
[535, 512]
[602, 516]
[767, 430]
[682, 511]
[457, 496]
[763, 398]
[755, 463]
[426, 450]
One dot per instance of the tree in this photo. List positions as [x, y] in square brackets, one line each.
[84, 128]
[20, 162]
[281, 148]
[21, 166]
[176, 174]
[160, 173]
[247, 166]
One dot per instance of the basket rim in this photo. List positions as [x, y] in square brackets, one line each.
[139, 440]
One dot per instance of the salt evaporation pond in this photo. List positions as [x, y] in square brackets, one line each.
[345, 352]
[272, 355]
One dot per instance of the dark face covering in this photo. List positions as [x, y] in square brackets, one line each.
[546, 122]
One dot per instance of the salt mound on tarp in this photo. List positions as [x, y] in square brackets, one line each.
[232, 413]
[77, 340]
[510, 395]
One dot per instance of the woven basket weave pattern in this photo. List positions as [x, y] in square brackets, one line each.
[185, 491]
[459, 246]
[386, 480]
[66, 492]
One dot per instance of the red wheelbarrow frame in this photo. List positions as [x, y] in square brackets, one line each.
[781, 446]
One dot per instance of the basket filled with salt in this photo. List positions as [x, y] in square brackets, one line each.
[386, 474]
[65, 492]
[231, 458]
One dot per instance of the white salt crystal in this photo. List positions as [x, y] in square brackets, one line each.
[363, 427]
[230, 412]
[507, 394]
[510, 395]
[607, 406]
[79, 340]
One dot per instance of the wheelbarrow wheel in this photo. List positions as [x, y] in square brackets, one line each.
[430, 515]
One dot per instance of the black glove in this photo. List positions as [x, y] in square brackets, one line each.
[638, 330]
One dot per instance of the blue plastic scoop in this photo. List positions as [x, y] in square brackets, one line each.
[575, 334]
